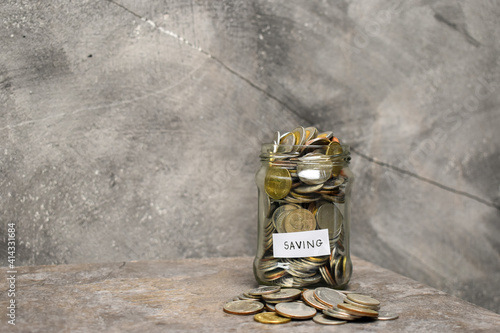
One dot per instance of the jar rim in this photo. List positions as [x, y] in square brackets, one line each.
[271, 150]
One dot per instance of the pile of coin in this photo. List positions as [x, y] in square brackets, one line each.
[327, 306]
[304, 188]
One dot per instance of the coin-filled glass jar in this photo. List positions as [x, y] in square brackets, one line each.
[304, 214]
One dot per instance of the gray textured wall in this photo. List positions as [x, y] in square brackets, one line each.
[131, 129]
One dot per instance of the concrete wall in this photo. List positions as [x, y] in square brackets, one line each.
[130, 130]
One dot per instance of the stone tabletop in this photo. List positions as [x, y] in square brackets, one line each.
[187, 296]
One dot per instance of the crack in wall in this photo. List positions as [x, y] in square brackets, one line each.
[290, 109]
[426, 180]
[460, 29]
[208, 54]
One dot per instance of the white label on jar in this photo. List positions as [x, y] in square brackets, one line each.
[301, 244]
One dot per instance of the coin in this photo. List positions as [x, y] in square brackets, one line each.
[270, 307]
[300, 135]
[283, 295]
[334, 148]
[278, 182]
[339, 314]
[343, 269]
[299, 220]
[363, 299]
[247, 294]
[243, 307]
[276, 138]
[295, 310]
[244, 297]
[263, 290]
[308, 297]
[270, 318]
[274, 275]
[315, 172]
[376, 308]
[327, 135]
[357, 311]
[325, 320]
[329, 296]
[311, 133]
[329, 217]
[279, 215]
[325, 273]
[288, 139]
[318, 142]
[384, 315]
[308, 188]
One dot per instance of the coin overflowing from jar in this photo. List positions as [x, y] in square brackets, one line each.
[303, 185]
[326, 306]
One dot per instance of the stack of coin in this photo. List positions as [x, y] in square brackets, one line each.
[304, 189]
[275, 305]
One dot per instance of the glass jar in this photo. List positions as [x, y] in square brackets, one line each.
[304, 216]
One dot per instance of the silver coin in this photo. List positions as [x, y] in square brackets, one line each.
[263, 290]
[339, 314]
[270, 307]
[242, 297]
[243, 307]
[251, 296]
[384, 315]
[295, 310]
[372, 307]
[329, 296]
[363, 299]
[314, 173]
[277, 137]
[308, 297]
[358, 311]
[283, 294]
[308, 188]
[328, 216]
[326, 320]
[279, 215]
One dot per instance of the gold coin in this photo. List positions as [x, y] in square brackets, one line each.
[277, 183]
[327, 135]
[357, 311]
[270, 318]
[288, 139]
[243, 307]
[319, 141]
[299, 220]
[300, 135]
[334, 148]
